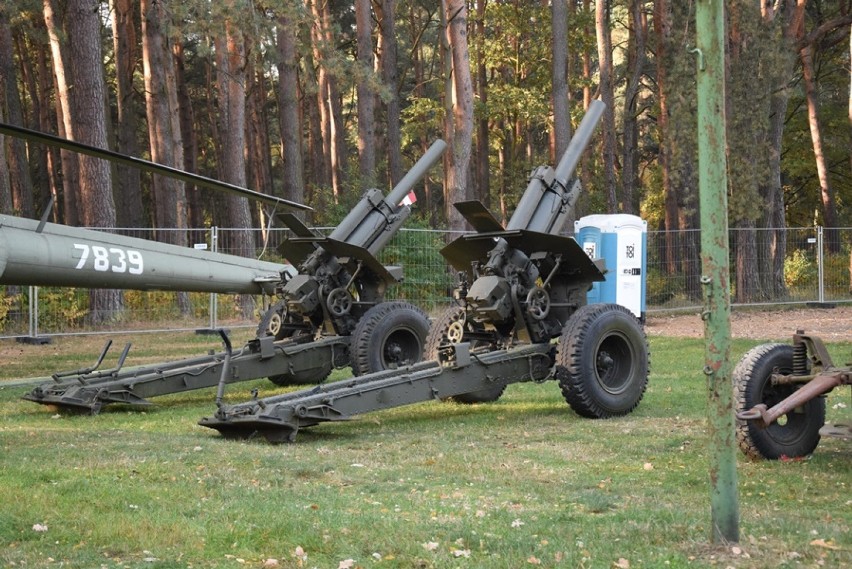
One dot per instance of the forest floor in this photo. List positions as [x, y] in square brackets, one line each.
[831, 324]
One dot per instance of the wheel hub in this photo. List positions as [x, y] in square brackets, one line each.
[455, 332]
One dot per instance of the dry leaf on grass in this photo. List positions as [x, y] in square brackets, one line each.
[826, 544]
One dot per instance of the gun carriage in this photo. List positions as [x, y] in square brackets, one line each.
[329, 313]
[521, 315]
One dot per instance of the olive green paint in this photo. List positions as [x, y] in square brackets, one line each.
[713, 183]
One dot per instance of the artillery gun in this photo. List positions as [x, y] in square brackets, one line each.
[336, 300]
[521, 288]
[340, 286]
[779, 390]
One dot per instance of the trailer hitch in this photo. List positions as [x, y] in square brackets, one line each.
[820, 384]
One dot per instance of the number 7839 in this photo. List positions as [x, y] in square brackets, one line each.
[112, 259]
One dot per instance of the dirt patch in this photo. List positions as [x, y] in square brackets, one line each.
[831, 324]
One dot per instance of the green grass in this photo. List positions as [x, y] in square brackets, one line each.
[522, 482]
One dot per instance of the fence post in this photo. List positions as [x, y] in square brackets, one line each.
[32, 327]
[820, 264]
[214, 299]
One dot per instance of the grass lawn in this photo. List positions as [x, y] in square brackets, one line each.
[517, 483]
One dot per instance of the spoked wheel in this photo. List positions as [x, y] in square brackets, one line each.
[602, 361]
[274, 323]
[794, 434]
[451, 328]
[389, 335]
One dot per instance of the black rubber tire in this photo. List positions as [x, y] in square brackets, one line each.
[304, 377]
[797, 434]
[602, 361]
[388, 336]
[437, 338]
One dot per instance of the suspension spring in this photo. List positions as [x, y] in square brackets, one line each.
[800, 358]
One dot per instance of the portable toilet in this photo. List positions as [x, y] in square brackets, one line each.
[621, 240]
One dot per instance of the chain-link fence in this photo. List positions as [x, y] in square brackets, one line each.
[798, 265]
[771, 267]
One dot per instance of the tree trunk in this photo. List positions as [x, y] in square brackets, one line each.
[88, 115]
[20, 182]
[164, 130]
[482, 187]
[231, 78]
[448, 98]
[163, 115]
[5, 187]
[194, 202]
[328, 97]
[775, 218]
[320, 165]
[36, 77]
[88, 112]
[505, 159]
[420, 93]
[747, 112]
[608, 126]
[46, 123]
[747, 283]
[62, 79]
[130, 211]
[561, 132]
[459, 180]
[587, 59]
[388, 54]
[260, 152]
[288, 113]
[829, 209]
[365, 95]
[635, 67]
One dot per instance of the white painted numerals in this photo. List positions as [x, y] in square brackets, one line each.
[114, 259]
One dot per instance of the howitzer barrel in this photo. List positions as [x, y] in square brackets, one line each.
[579, 142]
[429, 159]
[549, 199]
[60, 255]
[367, 224]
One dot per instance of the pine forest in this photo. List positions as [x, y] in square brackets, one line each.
[316, 101]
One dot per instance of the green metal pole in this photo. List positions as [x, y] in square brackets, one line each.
[713, 185]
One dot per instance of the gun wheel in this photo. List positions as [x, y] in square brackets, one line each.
[272, 322]
[602, 361]
[389, 335]
[451, 328]
[794, 434]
